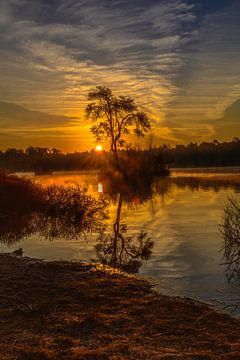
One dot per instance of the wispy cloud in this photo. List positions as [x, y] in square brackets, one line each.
[211, 81]
[53, 52]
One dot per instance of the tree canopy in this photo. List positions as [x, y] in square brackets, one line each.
[115, 117]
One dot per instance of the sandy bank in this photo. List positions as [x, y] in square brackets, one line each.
[62, 310]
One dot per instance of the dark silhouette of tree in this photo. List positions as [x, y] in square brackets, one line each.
[116, 247]
[154, 160]
[115, 117]
[121, 251]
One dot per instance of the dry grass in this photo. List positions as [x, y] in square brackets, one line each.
[61, 310]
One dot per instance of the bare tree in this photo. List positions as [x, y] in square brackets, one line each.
[115, 117]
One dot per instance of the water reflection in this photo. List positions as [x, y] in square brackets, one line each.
[15, 228]
[120, 250]
[211, 182]
[67, 212]
[52, 212]
[180, 214]
[100, 187]
[115, 246]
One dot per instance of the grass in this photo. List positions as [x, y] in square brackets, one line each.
[63, 310]
[230, 229]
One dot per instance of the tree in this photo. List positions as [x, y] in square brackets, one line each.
[115, 117]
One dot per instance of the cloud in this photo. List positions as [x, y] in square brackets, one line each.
[180, 68]
[21, 127]
[228, 126]
[83, 43]
[12, 115]
[210, 82]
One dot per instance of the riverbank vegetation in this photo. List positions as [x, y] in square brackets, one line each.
[52, 212]
[230, 229]
[55, 212]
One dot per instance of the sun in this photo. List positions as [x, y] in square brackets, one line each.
[99, 148]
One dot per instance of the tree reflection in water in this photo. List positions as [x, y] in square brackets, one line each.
[127, 251]
[116, 248]
[68, 211]
[122, 251]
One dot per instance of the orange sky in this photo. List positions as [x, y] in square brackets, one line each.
[179, 60]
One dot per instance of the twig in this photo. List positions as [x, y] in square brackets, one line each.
[12, 348]
[204, 315]
[214, 311]
[17, 298]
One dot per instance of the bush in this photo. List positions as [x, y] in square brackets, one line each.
[52, 212]
[230, 229]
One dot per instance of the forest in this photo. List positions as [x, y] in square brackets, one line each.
[42, 160]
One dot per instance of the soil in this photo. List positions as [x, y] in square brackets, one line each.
[68, 310]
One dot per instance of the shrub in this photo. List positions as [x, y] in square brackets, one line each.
[230, 229]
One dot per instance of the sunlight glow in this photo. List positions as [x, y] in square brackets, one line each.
[100, 187]
[99, 148]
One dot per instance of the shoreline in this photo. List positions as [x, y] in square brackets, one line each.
[188, 169]
[60, 309]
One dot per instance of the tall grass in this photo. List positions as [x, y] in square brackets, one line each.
[230, 229]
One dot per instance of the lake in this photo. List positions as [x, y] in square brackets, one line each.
[181, 216]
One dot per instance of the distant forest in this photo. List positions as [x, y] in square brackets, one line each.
[39, 159]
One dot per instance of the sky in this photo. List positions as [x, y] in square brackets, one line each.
[179, 60]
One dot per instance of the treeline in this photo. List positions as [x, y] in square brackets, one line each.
[205, 154]
[43, 160]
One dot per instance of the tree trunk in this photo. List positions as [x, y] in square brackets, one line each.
[116, 228]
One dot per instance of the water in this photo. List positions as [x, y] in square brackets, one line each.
[181, 217]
